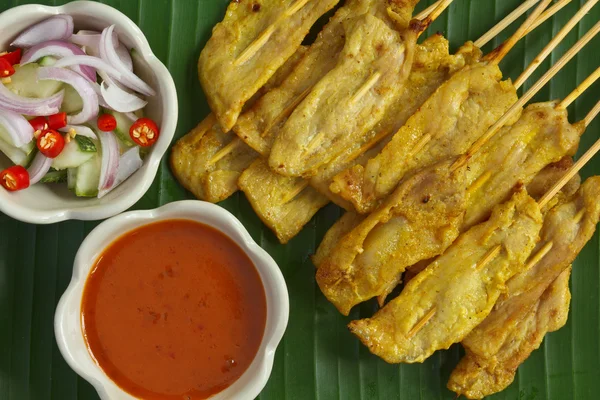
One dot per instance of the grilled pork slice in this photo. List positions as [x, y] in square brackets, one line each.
[455, 293]
[516, 154]
[476, 378]
[349, 100]
[254, 39]
[261, 124]
[207, 161]
[518, 324]
[419, 221]
[268, 194]
[446, 125]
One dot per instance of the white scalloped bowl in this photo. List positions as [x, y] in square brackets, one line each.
[67, 322]
[45, 204]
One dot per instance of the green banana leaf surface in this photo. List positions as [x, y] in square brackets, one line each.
[318, 358]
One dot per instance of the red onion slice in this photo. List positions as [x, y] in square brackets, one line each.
[59, 49]
[54, 28]
[19, 130]
[87, 61]
[38, 168]
[101, 100]
[120, 100]
[27, 106]
[129, 163]
[80, 130]
[110, 160]
[125, 56]
[84, 87]
[109, 54]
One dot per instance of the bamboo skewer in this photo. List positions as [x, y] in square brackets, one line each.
[295, 192]
[260, 41]
[491, 255]
[369, 83]
[423, 14]
[497, 55]
[231, 146]
[508, 20]
[548, 13]
[589, 81]
[526, 97]
[434, 14]
[554, 42]
[287, 111]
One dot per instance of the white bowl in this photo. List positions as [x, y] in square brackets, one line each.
[67, 322]
[45, 204]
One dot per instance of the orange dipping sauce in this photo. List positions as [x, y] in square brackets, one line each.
[174, 310]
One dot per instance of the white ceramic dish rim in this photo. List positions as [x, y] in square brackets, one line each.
[67, 322]
[166, 89]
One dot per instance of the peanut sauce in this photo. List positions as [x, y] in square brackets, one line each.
[174, 310]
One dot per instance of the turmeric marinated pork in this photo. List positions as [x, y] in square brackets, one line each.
[540, 137]
[446, 125]
[456, 292]
[196, 164]
[517, 325]
[476, 377]
[268, 194]
[254, 39]
[516, 154]
[349, 100]
[419, 221]
[433, 65]
[207, 161]
[260, 124]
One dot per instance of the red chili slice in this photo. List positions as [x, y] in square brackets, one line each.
[14, 57]
[51, 143]
[144, 132]
[6, 68]
[14, 178]
[57, 121]
[39, 125]
[107, 123]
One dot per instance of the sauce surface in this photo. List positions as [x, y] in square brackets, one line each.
[174, 310]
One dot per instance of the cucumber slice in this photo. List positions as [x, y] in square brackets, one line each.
[71, 157]
[72, 102]
[24, 82]
[88, 177]
[15, 154]
[55, 177]
[85, 144]
[71, 178]
[26, 148]
[122, 129]
[47, 61]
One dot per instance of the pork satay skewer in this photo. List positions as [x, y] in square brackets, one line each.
[410, 148]
[494, 252]
[380, 136]
[232, 67]
[348, 101]
[346, 275]
[497, 346]
[529, 94]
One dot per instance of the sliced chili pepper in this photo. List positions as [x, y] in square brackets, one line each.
[14, 178]
[39, 125]
[6, 68]
[144, 132]
[57, 121]
[14, 57]
[107, 123]
[51, 143]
